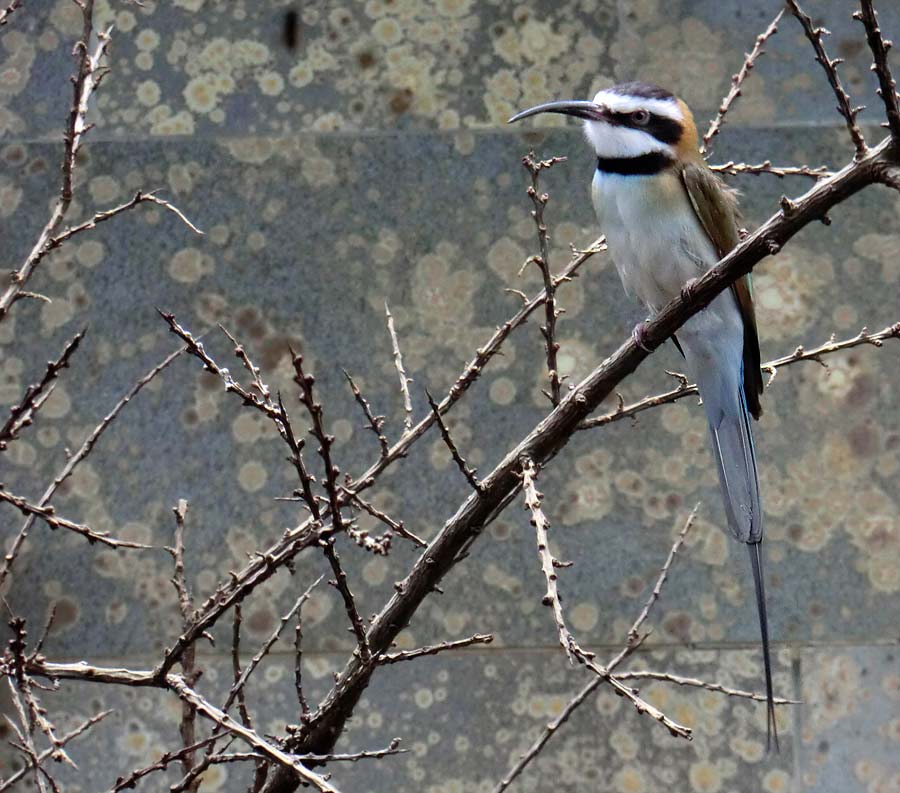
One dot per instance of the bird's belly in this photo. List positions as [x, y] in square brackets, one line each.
[654, 238]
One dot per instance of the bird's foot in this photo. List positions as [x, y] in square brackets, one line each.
[639, 334]
[687, 291]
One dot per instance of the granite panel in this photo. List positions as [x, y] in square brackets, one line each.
[465, 719]
[848, 729]
[214, 68]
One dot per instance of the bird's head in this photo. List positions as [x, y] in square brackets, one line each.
[631, 120]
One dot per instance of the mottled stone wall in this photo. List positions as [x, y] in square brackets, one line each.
[372, 163]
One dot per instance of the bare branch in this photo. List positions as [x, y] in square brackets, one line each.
[22, 413]
[469, 473]
[395, 525]
[401, 372]
[643, 674]
[815, 354]
[47, 513]
[188, 665]
[250, 737]
[844, 107]
[736, 168]
[48, 753]
[879, 46]
[375, 423]
[549, 563]
[164, 761]
[267, 645]
[542, 260]
[434, 649]
[310, 532]
[9, 10]
[737, 81]
[74, 460]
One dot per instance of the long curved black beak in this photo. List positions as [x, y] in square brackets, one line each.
[569, 107]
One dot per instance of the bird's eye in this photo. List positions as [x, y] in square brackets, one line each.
[640, 117]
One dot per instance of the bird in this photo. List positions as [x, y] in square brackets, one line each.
[668, 218]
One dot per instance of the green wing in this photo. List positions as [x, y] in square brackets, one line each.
[717, 210]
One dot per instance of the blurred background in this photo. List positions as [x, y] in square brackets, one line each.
[340, 155]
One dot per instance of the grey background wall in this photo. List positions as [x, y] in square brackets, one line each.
[372, 163]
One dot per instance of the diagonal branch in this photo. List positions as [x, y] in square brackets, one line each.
[47, 513]
[552, 434]
[470, 474]
[401, 372]
[815, 354]
[542, 260]
[887, 87]
[815, 35]
[549, 563]
[737, 81]
[74, 460]
[22, 414]
[434, 649]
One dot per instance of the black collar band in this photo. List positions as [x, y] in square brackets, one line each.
[645, 165]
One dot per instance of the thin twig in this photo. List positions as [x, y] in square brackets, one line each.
[74, 460]
[395, 525]
[815, 34]
[549, 563]
[47, 513]
[887, 86]
[542, 260]
[470, 474]
[22, 413]
[644, 674]
[401, 372]
[737, 81]
[815, 354]
[375, 423]
[82, 728]
[434, 649]
[766, 167]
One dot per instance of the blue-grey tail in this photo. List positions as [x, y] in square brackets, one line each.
[732, 439]
[756, 564]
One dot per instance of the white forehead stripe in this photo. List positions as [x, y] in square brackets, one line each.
[620, 103]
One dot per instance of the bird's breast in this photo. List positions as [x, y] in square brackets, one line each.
[653, 234]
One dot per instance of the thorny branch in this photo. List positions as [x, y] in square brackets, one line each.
[684, 389]
[10, 9]
[434, 649]
[815, 35]
[401, 372]
[542, 260]
[633, 640]
[549, 563]
[47, 513]
[737, 81]
[879, 45]
[21, 415]
[470, 474]
[75, 459]
[375, 423]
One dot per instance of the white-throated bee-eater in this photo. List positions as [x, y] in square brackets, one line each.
[668, 219]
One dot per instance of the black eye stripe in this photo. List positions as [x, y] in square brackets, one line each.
[663, 128]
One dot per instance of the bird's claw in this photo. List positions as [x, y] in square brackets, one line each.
[687, 291]
[639, 334]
